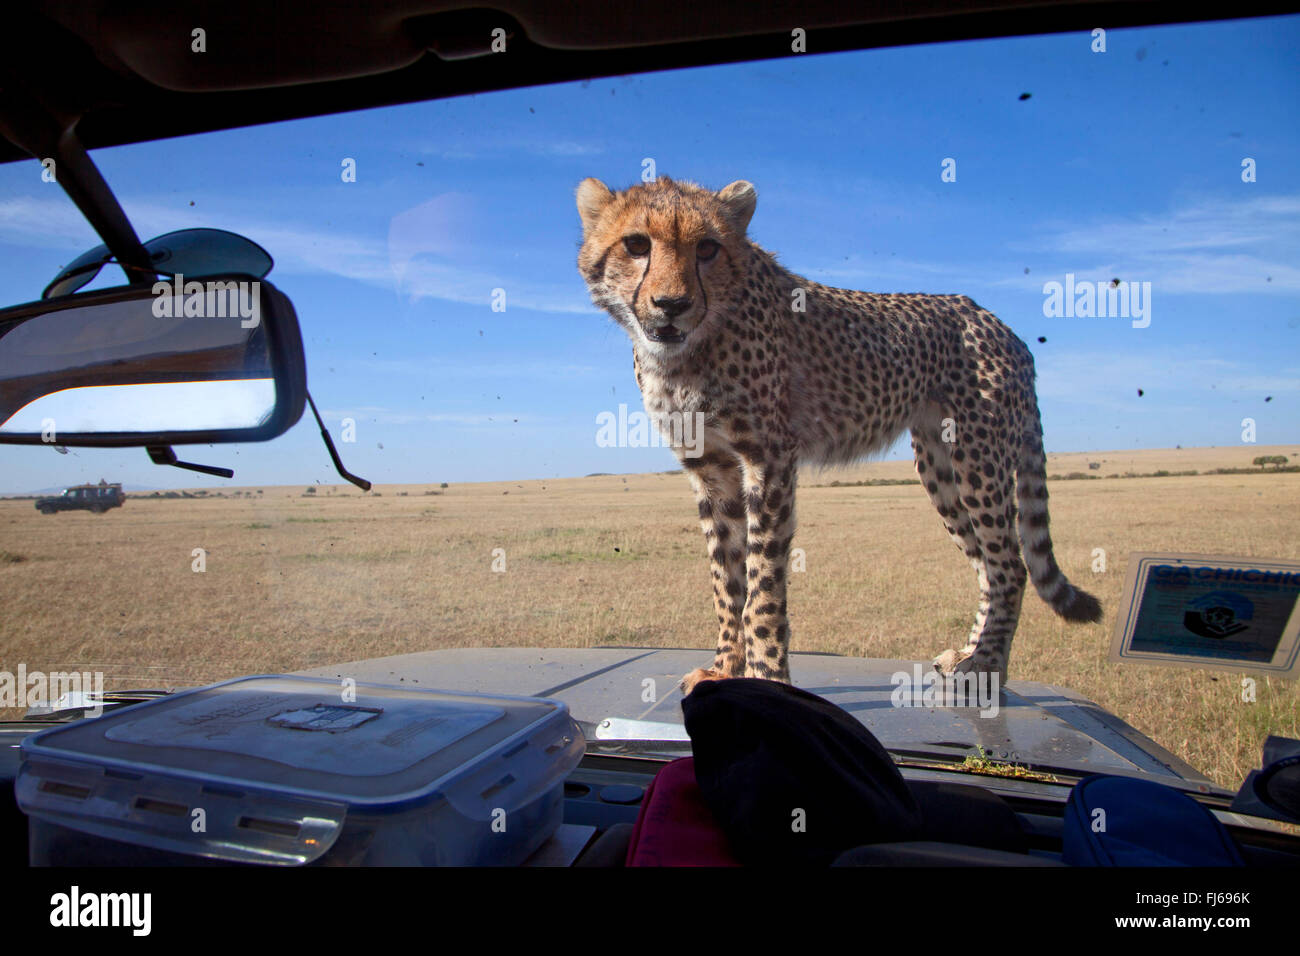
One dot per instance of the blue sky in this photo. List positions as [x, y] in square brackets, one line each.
[1119, 164]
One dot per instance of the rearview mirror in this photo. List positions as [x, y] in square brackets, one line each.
[174, 363]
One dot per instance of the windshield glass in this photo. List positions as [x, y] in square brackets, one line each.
[521, 499]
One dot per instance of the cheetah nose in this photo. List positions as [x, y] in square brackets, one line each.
[673, 307]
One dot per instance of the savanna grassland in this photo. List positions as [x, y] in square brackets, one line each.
[294, 580]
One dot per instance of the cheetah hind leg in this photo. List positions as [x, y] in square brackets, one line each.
[934, 466]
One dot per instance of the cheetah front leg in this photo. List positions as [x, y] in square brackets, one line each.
[769, 511]
[747, 511]
[719, 494]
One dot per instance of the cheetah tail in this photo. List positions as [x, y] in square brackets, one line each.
[1073, 604]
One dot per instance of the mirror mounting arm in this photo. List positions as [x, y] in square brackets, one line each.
[164, 455]
[334, 455]
[50, 134]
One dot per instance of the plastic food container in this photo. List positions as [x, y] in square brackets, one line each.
[296, 770]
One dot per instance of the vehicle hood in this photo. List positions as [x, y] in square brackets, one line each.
[630, 693]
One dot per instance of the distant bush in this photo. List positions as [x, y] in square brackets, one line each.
[1252, 471]
[310, 491]
[1279, 466]
[1276, 461]
[869, 483]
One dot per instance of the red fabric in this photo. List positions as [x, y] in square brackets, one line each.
[676, 827]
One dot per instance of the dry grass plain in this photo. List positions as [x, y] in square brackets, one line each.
[295, 581]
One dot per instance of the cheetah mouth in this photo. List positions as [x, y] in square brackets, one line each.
[669, 334]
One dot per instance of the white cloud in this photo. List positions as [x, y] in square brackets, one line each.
[439, 367]
[502, 145]
[391, 416]
[1211, 247]
[404, 261]
[52, 223]
[1097, 377]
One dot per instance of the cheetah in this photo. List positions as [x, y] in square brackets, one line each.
[783, 371]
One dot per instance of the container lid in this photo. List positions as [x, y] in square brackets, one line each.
[370, 745]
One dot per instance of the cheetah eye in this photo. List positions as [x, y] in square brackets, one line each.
[706, 250]
[637, 246]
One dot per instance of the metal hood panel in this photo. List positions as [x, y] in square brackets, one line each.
[633, 692]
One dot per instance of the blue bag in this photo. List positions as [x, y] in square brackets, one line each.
[1122, 821]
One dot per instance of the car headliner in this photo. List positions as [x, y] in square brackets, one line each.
[121, 72]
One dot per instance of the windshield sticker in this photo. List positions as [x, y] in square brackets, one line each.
[1210, 611]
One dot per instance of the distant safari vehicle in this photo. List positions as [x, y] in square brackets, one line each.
[96, 498]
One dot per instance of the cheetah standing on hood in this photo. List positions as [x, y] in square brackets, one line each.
[785, 371]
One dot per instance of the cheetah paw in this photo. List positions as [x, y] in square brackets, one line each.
[964, 662]
[688, 682]
[950, 661]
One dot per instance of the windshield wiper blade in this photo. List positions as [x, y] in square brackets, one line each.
[75, 704]
[619, 735]
[638, 748]
[623, 728]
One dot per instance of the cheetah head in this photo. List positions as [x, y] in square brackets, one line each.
[664, 258]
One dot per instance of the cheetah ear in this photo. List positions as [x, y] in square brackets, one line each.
[738, 202]
[593, 197]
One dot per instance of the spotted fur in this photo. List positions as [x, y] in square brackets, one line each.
[786, 371]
